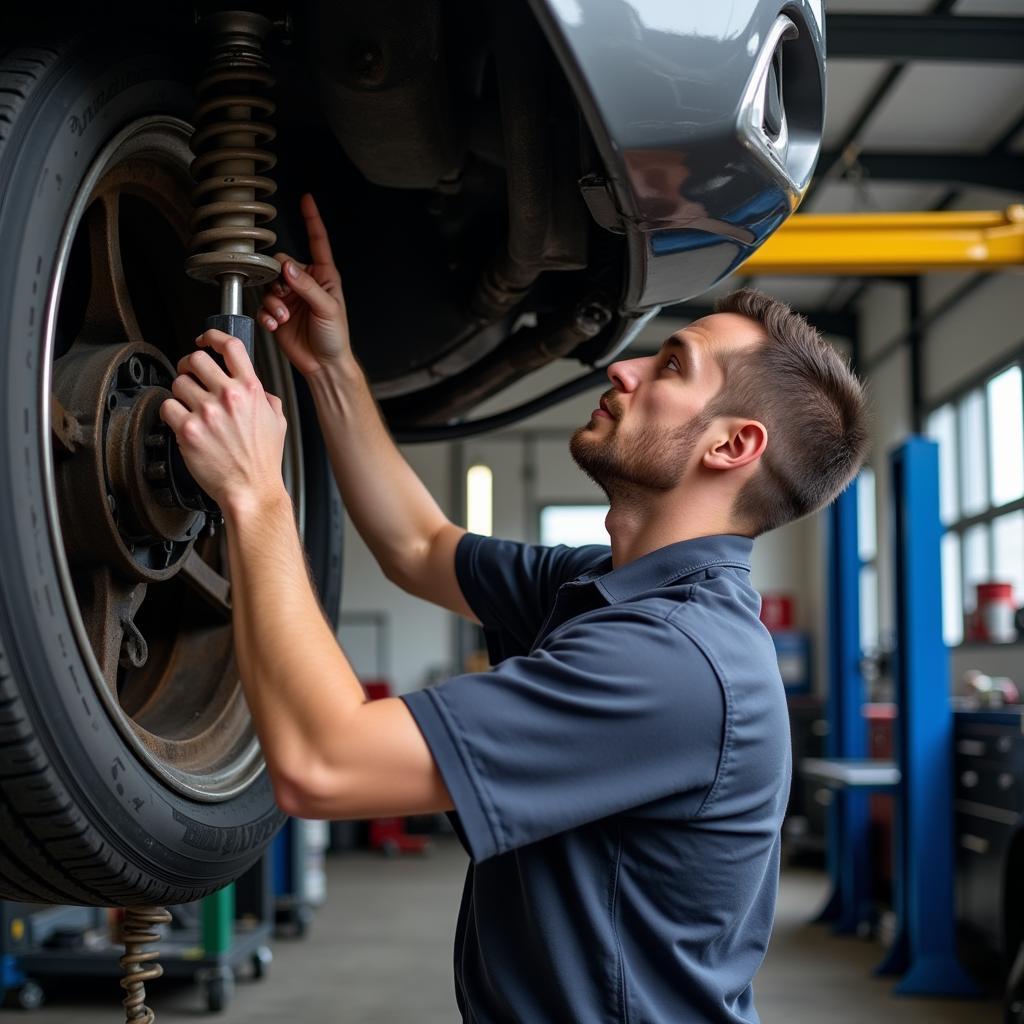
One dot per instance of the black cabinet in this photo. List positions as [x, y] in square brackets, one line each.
[989, 804]
[806, 815]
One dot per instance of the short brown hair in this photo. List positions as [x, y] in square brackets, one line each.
[811, 403]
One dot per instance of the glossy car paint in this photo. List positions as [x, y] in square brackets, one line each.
[674, 95]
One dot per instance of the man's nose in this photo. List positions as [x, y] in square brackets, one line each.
[626, 374]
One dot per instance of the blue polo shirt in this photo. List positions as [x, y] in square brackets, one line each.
[619, 780]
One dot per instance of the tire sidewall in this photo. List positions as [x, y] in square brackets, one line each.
[85, 100]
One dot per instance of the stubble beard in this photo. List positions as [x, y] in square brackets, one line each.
[646, 461]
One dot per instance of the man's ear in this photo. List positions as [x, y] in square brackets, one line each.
[740, 443]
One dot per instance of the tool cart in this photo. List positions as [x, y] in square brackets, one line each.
[206, 942]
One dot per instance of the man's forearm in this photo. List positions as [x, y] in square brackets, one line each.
[298, 684]
[330, 753]
[393, 511]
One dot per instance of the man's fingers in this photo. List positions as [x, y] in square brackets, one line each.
[203, 368]
[319, 243]
[188, 392]
[280, 286]
[274, 312]
[316, 298]
[235, 358]
[173, 413]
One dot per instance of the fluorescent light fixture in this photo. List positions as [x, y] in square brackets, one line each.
[480, 500]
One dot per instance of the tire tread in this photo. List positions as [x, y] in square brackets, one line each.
[52, 850]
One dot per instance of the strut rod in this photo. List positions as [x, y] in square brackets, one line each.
[893, 243]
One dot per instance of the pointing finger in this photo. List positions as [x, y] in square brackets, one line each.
[319, 243]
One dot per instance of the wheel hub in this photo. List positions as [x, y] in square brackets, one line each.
[110, 397]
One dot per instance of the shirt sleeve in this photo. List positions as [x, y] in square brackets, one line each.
[615, 710]
[511, 586]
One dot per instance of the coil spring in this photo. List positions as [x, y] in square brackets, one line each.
[230, 158]
[137, 962]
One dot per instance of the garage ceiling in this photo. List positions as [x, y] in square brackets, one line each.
[919, 134]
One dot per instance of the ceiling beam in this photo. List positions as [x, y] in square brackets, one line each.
[1000, 170]
[940, 8]
[998, 148]
[906, 37]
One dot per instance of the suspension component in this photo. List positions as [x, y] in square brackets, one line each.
[138, 929]
[230, 195]
[230, 160]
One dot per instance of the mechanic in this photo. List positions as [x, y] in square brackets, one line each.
[619, 776]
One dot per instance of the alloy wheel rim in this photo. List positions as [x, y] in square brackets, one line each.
[147, 591]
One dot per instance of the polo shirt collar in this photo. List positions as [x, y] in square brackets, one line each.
[670, 563]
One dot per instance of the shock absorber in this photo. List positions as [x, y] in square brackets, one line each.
[230, 193]
[138, 962]
[231, 161]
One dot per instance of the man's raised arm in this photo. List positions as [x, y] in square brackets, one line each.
[411, 538]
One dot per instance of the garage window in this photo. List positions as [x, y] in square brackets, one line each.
[980, 433]
[573, 524]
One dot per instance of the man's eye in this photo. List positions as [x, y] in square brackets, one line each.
[672, 364]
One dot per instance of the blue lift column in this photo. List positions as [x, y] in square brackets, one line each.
[849, 851]
[925, 947]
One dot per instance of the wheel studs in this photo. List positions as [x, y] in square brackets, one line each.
[136, 370]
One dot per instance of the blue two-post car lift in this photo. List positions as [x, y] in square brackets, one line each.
[921, 779]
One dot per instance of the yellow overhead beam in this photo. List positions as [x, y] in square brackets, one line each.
[893, 243]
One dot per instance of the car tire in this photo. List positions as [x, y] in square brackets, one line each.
[83, 818]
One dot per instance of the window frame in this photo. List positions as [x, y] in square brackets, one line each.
[559, 503]
[962, 524]
[869, 564]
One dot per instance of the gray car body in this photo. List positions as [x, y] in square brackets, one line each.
[673, 93]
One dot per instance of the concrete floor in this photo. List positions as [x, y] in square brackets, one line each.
[380, 953]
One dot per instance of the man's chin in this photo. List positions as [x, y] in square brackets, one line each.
[595, 423]
[590, 452]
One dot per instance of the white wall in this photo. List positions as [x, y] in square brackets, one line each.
[418, 634]
[975, 334]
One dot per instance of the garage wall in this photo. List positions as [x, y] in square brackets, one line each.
[418, 636]
[976, 334]
[884, 319]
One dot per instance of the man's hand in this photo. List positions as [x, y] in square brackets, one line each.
[305, 310]
[230, 431]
